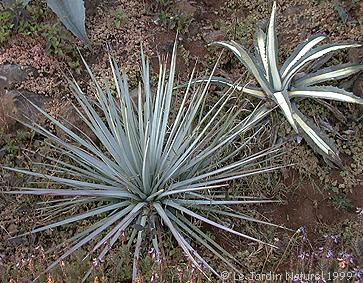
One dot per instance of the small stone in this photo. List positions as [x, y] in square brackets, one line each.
[15, 105]
[91, 8]
[214, 35]
[12, 229]
[185, 8]
[358, 86]
[71, 118]
[355, 55]
[11, 74]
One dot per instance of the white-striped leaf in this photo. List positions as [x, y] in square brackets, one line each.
[249, 62]
[260, 46]
[283, 101]
[328, 74]
[316, 138]
[299, 52]
[272, 52]
[326, 92]
[312, 55]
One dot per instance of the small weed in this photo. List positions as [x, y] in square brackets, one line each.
[120, 18]
[11, 147]
[163, 4]
[341, 201]
[172, 21]
[5, 26]
[31, 22]
[242, 26]
[75, 67]
[169, 16]
[55, 44]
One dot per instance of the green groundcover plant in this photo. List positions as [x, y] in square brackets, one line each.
[285, 86]
[70, 12]
[153, 168]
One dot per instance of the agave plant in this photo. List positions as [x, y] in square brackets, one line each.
[151, 169]
[70, 12]
[286, 85]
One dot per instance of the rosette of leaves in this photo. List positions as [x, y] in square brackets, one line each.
[70, 12]
[153, 168]
[286, 85]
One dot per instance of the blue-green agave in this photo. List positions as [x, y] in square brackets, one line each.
[280, 85]
[153, 168]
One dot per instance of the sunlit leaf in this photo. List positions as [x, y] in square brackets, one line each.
[151, 163]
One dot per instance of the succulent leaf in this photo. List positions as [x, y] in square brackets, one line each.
[313, 55]
[326, 92]
[154, 169]
[249, 61]
[260, 45]
[300, 51]
[316, 138]
[243, 88]
[72, 14]
[272, 52]
[328, 74]
[283, 101]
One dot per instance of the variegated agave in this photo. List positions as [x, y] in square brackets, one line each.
[153, 168]
[284, 88]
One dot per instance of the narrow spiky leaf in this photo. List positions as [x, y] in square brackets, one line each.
[243, 88]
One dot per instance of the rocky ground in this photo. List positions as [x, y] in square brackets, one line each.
[322, 204]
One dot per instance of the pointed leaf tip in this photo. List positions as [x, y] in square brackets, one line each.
[72, 14]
